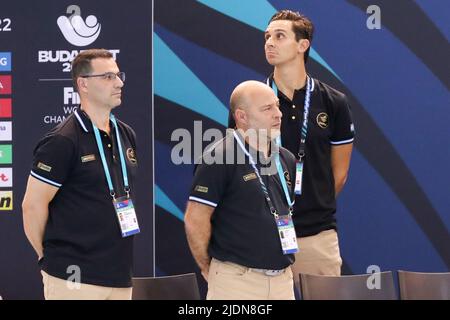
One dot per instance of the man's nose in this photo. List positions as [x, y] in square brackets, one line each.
[278, 113]
[119, 83]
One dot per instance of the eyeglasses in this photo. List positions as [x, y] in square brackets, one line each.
[107, 75]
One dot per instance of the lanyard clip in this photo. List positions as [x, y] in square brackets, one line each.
[127, 190]
[274, 213]
[112, 194]
[301, 154]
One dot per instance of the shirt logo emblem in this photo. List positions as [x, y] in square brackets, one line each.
[322, 120]
[249, 177]
[44, 167]
[87, 158]
[131, 156]
[287, 176]
[201, 189]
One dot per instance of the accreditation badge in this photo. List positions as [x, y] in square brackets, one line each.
[287, 234]
[127, 216]
[298, 178]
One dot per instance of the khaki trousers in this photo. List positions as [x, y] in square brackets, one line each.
[230, 281]
[59, 289]
[318, 254]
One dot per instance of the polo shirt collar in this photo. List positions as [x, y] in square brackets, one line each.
[83, 120]
[252, 150]
[269, 82]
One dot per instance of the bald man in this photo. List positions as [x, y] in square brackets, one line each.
[238, 217]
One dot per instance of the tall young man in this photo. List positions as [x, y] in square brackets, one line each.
[322, 143]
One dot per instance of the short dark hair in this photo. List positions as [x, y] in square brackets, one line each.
[301, 25]
[81, 65]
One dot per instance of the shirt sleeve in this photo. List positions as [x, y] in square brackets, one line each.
[209, 184]
[53, 159]
[344, 130]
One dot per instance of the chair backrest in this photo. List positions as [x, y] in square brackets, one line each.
[177, 287]
[424, 286]
[376, 286]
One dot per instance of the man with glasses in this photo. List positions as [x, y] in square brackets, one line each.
[78, 207]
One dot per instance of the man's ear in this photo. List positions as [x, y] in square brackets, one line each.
[303, 45]
[240, 116]
[82, 84]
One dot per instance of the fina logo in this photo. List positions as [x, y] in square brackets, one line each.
[77, 31]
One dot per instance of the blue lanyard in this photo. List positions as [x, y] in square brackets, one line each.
[283, 180]
[304, 129]
[105, 164]
[263, 185]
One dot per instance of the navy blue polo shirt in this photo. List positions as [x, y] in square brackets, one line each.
[330, 124]
[243, 229]
[82, 228]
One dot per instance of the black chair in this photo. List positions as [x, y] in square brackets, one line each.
[177, 287]
[353, 287]
[424, 286]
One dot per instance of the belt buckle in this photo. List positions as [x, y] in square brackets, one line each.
[273, 272]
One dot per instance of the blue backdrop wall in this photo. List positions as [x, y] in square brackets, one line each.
[395, 209]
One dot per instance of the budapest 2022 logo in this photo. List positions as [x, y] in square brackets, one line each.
[76, 30]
